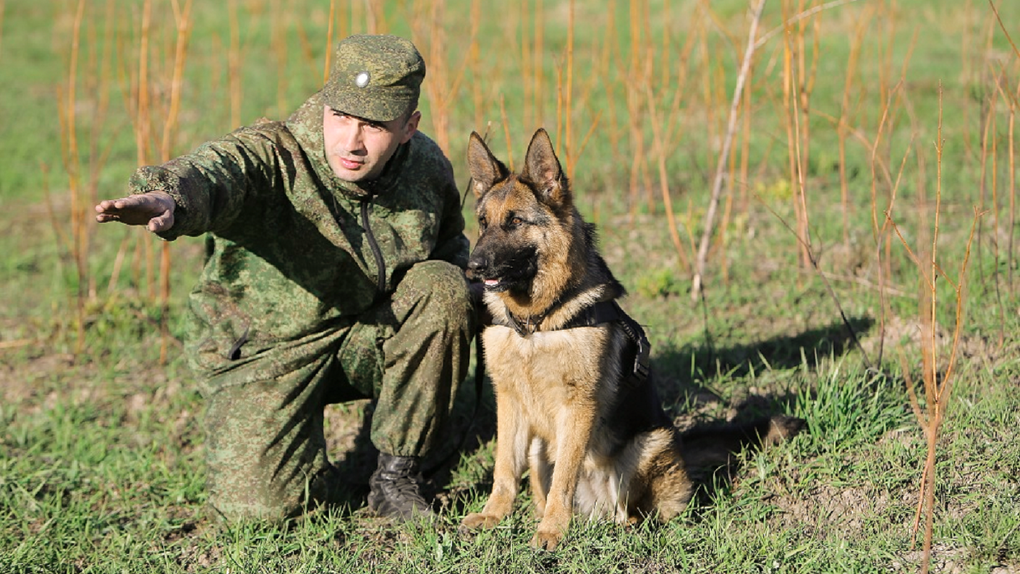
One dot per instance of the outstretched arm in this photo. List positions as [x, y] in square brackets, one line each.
[155, 210]
[202, 191]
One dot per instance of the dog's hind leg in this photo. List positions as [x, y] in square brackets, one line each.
[661, 485]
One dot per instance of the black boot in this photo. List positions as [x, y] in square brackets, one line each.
[395, 489]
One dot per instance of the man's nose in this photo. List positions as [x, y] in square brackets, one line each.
[352, 138]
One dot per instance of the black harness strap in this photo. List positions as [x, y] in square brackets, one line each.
[597, 314]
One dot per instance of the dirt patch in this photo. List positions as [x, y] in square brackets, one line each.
[33, 382]
[904, 338]
[826, 508]
[948, 560]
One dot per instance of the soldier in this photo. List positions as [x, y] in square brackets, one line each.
[334, 272]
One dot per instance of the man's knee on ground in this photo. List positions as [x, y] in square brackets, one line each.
[252, 504]
[261, 459]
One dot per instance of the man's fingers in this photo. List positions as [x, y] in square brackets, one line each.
[162, 222]
[117, 206]
[105, 207]
[153, 210]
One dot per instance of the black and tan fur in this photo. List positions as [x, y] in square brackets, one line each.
[568, 404]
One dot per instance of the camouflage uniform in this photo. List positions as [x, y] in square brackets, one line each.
[288, 315]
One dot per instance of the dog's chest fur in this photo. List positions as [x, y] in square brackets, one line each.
[551, 374]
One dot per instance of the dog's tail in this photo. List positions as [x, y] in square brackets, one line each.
[706, 449]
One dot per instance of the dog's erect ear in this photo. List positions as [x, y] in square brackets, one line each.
[485, 169]
[542, 168]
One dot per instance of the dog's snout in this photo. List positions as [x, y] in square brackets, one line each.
[476, 266]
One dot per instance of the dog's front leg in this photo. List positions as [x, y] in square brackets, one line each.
[573, 427]
[538, 476]
[512, 436]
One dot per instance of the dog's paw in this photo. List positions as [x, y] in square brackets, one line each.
[547, 539]
[476, 520]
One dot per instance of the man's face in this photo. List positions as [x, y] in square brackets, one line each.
[358, 149]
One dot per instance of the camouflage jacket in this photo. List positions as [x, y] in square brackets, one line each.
[287, 256]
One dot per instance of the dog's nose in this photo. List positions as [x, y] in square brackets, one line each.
[476, 266]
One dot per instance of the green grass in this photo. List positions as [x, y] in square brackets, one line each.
[101, 451]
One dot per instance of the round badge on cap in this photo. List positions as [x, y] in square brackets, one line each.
[361, 80]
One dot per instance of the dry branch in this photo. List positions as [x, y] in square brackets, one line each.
[731, 128]
[937, 388]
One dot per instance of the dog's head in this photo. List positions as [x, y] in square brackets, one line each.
[524, 220]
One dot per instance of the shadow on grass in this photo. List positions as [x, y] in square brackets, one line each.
[705, 360]
[711, 446]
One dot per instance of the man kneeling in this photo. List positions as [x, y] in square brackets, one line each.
[334, 272]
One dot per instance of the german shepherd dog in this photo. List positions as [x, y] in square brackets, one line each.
[570, 369]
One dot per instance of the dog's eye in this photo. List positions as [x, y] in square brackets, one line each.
[516, 221]
[483, 223]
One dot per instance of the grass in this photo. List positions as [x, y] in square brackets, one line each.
[101, 449]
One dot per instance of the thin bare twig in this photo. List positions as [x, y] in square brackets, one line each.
[660, 154]
[17, 343]
[731, 128]
[2, 5]
[805, 14]
[825, 281]
[1004, 30]
[937, 389]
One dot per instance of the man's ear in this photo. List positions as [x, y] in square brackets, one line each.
[411, 126]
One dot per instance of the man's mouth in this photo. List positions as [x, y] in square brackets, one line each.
[350, 164]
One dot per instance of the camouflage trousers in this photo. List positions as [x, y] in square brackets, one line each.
[266, 451]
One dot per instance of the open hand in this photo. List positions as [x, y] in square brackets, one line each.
[155, 210]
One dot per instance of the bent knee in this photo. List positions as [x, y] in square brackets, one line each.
[436, 275]
[442, 286]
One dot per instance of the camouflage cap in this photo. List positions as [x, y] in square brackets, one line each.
[376, 77]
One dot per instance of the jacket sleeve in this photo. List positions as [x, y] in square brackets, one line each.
[212, 185]
[451, 245]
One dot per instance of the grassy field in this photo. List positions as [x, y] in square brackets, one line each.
[101, 448]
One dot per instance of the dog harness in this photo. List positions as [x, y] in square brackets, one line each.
[597, 314]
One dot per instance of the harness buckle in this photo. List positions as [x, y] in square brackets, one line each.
[641, 369]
